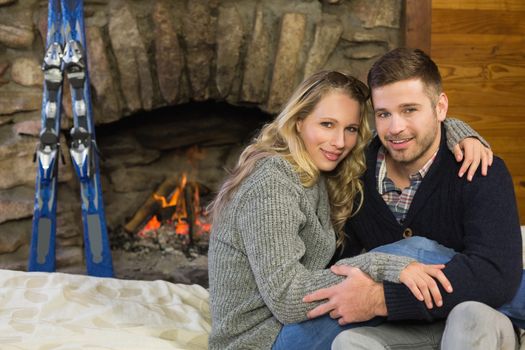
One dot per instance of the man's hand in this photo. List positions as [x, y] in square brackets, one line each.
[475, 153]
[358, 298]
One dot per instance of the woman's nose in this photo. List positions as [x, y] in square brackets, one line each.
[338, 139]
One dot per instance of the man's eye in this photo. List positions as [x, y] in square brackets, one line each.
[410, 110]
[382, 114]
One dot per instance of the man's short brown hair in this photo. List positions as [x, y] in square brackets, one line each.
[404, 64]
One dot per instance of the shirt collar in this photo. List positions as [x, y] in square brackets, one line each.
[381, 174]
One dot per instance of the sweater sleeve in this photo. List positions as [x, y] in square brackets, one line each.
[270, 222]
[380, 266]
[489, 267]
[458, 130]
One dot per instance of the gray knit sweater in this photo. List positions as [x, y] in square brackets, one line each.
[270, 248]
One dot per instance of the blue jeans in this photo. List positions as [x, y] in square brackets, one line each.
[317, 333]
[320, 332]
[430, 252]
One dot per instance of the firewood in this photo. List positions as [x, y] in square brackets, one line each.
[151, 205]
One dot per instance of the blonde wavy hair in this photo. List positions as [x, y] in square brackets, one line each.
[281, 137]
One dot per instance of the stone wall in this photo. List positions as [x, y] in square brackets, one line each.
[145, 55]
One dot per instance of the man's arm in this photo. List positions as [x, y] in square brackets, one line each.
[488, 269]
[359, 298]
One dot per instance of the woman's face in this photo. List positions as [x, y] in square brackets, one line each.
[330, 132]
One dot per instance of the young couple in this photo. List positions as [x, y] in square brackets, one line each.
[311, 187]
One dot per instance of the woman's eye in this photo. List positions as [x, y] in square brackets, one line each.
[352, 129]
[327, 124]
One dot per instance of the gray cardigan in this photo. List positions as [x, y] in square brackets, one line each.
[269, 249]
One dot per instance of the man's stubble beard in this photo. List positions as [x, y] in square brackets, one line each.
[422, 146]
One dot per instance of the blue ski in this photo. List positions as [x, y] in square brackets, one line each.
[83, 148]
[42, 251]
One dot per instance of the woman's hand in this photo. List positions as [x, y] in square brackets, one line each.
[419, 278]
[472, 152]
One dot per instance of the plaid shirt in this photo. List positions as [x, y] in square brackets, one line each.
[398, 200]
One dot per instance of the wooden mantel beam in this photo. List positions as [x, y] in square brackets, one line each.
[417, 24]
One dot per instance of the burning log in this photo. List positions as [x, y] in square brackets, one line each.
[151, 205]
[174, 217]
[188, 198]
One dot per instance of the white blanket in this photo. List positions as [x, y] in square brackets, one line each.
[61, 311]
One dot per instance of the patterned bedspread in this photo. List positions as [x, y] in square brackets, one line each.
[63, 311]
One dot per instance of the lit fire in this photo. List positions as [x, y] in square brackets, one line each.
[152, 225]
[182, 204]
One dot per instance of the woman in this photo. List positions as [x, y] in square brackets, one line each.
[275, 217]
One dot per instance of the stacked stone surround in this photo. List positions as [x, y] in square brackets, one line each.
[145, 55]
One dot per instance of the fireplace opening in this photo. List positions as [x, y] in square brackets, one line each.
[160, 169]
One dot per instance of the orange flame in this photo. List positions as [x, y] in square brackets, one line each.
[202, 227]
[152, 225]
[179, 217]
[182, 228]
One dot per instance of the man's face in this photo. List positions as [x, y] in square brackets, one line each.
[407, 123]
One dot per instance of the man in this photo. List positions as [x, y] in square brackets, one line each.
[412, 189]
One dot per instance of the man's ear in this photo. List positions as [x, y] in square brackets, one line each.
[442, 107]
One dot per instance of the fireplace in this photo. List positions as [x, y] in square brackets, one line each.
[178, 87]
[161, 169]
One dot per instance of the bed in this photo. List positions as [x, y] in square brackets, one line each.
[56, 311]
[63, 311]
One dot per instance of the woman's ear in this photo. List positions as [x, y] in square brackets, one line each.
[299, 126]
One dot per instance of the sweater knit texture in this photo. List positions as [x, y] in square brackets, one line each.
[478, 219]
[269, 249]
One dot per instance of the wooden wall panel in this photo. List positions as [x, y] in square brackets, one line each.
[453, 48]
[507, 5]
[478, 21]
[479, 73]
[486, 94]
[479, 46]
